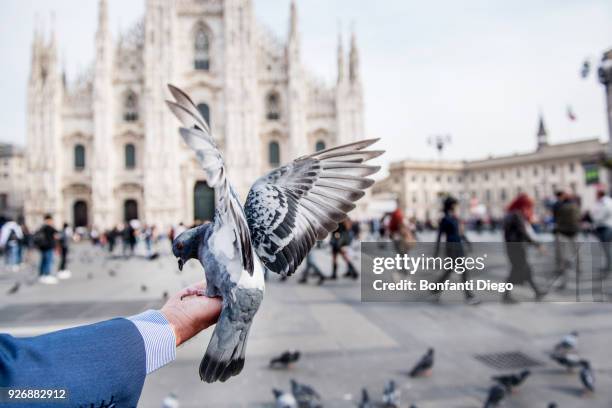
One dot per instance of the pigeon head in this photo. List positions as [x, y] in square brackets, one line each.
[185, 246]
[525, 373]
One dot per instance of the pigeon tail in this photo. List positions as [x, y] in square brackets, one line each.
[224, 356]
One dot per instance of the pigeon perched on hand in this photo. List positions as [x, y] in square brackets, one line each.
[285, 359]
[285, 213]
[424, 366]
[284, 399]
[511, 381]
[305, 395]
[568, 344]
[496, 395]
[586, 377]
[391, 395]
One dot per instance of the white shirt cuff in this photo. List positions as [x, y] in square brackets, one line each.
[158, 337]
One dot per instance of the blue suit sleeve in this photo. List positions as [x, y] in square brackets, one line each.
[99, 365]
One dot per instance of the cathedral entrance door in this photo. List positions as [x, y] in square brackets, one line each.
[79, 214]
[203, 202]
[130, 210]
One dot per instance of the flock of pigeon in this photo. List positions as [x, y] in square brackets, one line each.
[564, 353]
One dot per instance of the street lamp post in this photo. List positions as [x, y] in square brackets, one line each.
[605, 77]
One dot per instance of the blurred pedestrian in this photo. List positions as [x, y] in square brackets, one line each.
[567, 226]
[64, 241]
[95, 236]
[148, 232]
[45, 240]
[601, 216]
[129, 239]
[451, 228]
[517, 234]
[339, 241]
[11, 239]
[111, 238]
[311, 268]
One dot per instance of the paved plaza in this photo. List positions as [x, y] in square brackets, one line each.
[346, 344]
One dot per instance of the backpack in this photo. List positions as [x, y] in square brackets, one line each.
[40, 239]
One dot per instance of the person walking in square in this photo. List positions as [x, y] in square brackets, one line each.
[11, 238]
[517, 234]
[64, 242]
[567, 227]
[451, 228]
[602, 221]
[45, 240]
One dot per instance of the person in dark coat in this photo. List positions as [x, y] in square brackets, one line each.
[450, 227]
[518, 234]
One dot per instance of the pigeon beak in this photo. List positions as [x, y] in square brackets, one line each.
[180, 264]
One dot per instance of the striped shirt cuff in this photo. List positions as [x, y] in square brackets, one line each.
[158, 336]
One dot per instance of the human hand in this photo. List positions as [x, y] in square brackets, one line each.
[189, 312]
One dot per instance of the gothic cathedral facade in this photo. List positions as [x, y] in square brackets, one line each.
[103, 148]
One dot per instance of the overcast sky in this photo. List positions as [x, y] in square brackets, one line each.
[478, 70]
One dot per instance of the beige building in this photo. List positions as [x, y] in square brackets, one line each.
[12, 176]
[487, 186]
[103, 148]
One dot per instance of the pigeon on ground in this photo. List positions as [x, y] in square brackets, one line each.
[552, 405]
[569, 361]
[511, 381]
[284, 399]
[285, 213]
[111, 272]
[171, 401]
[391, 395]
[496, 394]
[424, 366]
[305, 395]
[586, 377]
[568, 344]
[14, 289]
[143, 288]
[285, 359]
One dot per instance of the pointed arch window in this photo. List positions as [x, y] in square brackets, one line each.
[130, 156]
[79, 157]
[274, 154]
[273, 106]
[320, 145]
[201, 45]
[130, 107]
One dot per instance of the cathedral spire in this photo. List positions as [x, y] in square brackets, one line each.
[293, 46]
[340, 58]
[293, 21]
[542, 133]
[354, 59]
[102, 16]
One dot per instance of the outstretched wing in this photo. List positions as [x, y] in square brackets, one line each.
[295, 205]
[196, 134]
